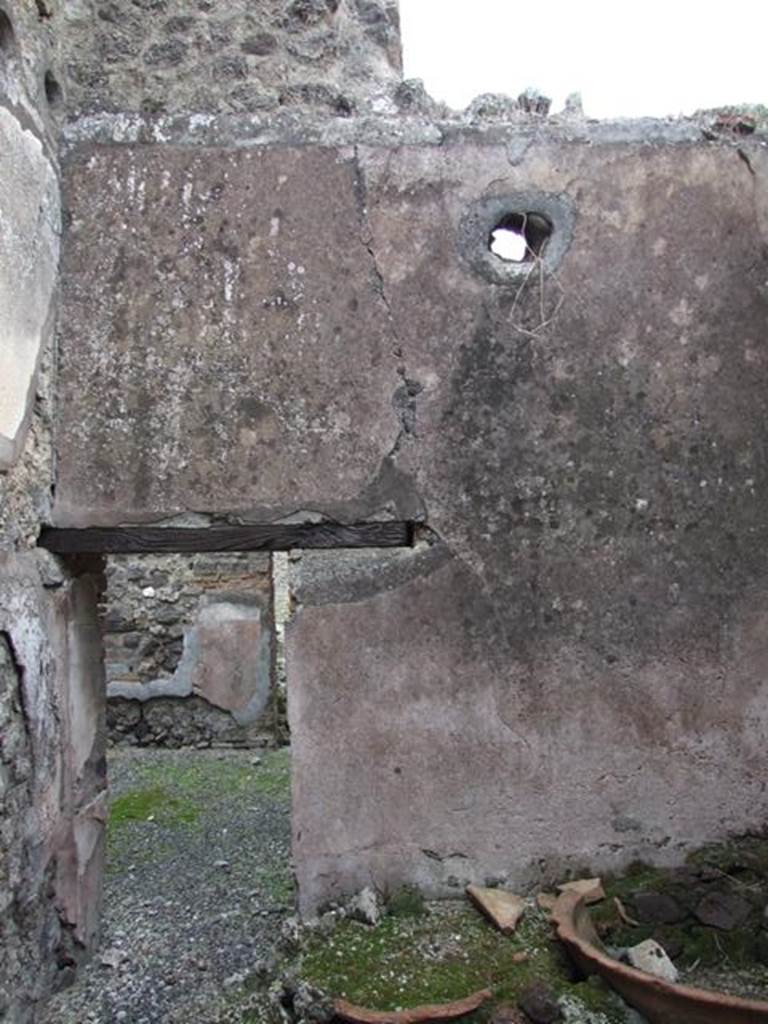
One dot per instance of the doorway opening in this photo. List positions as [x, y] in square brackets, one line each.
[198, 864]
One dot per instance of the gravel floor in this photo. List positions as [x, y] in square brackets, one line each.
[198, 883]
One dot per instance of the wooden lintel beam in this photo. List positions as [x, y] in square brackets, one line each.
[109, 540]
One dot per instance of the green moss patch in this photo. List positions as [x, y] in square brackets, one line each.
[273, 776]
[413, 958]
[441, 956]
[155, 804]
[276, 880]
[406, 901]
[203, 774]
[173, 792]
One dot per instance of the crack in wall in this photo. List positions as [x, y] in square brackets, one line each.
[405, 395]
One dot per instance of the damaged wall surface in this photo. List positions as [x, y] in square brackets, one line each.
[583, 433]
[53, 777]
[52, 772]
[189, 650]
[286, 309]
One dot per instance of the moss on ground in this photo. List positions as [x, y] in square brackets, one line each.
[174, 793]
[273, 776]
[444, 955]
[410, 959]
[276, 880]
[154, 804]
[406, 901]
[206, 773]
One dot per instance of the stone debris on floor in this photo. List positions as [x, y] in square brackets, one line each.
[650, 957]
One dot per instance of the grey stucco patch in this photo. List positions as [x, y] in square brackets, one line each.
[246, 696]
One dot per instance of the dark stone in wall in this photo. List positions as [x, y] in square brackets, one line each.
[259, 45]
[182, 722]
[163, 55]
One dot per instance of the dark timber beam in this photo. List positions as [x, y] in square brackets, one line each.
[121, 540]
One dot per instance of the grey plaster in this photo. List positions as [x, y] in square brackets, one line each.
[304, 128]
[423, 752]
[255, 666]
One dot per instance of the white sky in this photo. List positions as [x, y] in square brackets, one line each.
[645, 58]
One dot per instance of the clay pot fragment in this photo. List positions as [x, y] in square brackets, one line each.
[661, 1002]
[502, 908]
[436, 1011]
[590, 888]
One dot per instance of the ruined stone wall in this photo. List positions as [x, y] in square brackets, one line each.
[153, 606]
[51, 683]
[294, 315]
[80, 60]
[573, 648]
[173, 55]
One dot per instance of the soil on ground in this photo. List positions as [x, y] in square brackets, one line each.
[198, 884]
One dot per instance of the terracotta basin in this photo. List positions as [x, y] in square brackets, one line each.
[661, 1002]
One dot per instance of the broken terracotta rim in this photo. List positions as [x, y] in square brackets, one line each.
[662, 1002]
[435, 1011]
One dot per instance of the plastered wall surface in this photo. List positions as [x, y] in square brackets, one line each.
[227, 311]
[445, 761]
[584, 437]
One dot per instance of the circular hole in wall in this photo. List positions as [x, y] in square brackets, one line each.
[520, 237]
[52, 90]
[7, 35]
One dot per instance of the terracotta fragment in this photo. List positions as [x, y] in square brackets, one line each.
[502, 908]
[435, 1011]
[661, 1002]
[590, 888]
[625, 917]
